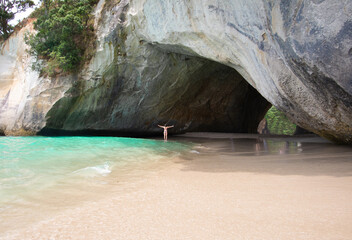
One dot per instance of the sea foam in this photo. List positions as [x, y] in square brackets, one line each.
[99, 170]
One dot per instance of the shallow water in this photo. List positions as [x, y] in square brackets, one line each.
[33, 168]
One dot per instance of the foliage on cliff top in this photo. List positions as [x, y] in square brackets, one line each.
[278, 123]
[63, 32]
[8, 10]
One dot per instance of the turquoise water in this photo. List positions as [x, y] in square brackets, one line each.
[32, 164]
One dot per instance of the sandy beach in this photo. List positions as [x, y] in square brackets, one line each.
[228, 187]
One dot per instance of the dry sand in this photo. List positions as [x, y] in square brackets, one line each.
[227, 188]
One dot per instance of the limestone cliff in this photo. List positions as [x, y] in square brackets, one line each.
[198, 64]
[25, 97]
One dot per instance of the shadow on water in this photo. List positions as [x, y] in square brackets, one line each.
[306, 156]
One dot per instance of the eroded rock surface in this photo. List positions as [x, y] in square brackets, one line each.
[295, 53]
[189, 63]
[142, 85]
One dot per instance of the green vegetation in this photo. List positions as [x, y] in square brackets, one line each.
[8, 10]
[63, 33]
[278, 123]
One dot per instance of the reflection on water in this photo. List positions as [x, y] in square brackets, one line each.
[261, 146]
[273, 146]
[280, 147]
[280, 156]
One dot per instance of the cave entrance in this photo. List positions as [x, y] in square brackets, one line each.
[213, 98]
[165, 87]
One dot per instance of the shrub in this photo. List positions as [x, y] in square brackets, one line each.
[63, 31]
[278, 123]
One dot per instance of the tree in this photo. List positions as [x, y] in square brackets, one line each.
[8, 9]
[46, 4]
[62, 33]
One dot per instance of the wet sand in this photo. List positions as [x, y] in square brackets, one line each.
[229, 186]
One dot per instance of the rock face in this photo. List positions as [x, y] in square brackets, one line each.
[295, 53]
[199, 64]
[142, 85]
[25, 97]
